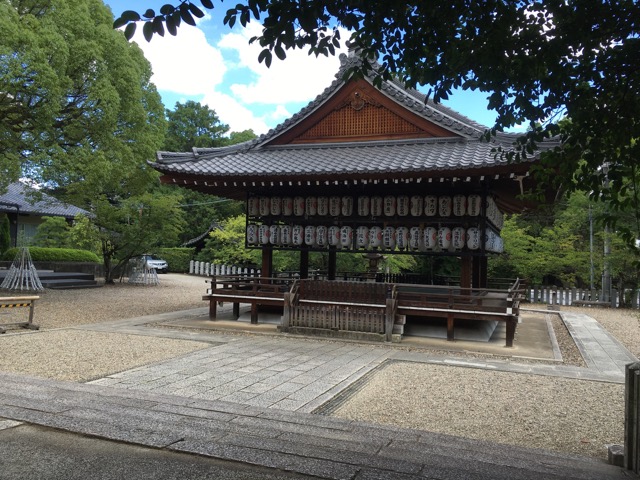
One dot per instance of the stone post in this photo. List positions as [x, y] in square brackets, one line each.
[632, 417]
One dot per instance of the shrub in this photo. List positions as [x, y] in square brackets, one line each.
[177, 258]
[40, 254]
[5, 234]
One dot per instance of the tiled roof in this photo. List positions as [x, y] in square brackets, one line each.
[464, 150]
[20, 195]
[366, 158]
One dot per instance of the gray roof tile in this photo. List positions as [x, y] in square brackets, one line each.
[21, 195]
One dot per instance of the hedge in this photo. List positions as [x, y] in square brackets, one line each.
[177, 258]
[42, 254]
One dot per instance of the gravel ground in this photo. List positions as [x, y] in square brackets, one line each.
[554, 413]
[564, 415]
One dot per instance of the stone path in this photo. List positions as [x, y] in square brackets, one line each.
[303, 444]
[289, 374]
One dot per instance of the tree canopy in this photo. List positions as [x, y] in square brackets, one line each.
[539, 62]
[192, 124]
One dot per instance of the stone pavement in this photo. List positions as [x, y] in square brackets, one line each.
[248, 399]
[298, 443]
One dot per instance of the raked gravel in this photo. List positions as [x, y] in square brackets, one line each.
[549, 412]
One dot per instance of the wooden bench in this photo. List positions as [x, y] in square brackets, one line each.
[255, 291]
[19, 302]
[462, 303]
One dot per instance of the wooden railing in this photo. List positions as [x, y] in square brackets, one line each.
[341, 306]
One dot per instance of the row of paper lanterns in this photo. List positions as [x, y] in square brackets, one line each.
[376, 206]
[388, 238]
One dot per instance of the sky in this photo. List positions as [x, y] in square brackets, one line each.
[215, 65]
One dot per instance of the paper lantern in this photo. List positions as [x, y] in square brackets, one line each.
[287, 206]
[264, 204]
[310, 235]
[321, 235]
[444, 206]
[430, 205]
[402, 237]
[474, 205]
[362, 237]
[415, 237]
[311, 206]
[298, 206]
[459, 205]
[389, 238]
[489, 240]
[276, 206]
[473, 238]
[274, 235]
[444, 238]
[285, 234]
[297, 235]
[416, 205]
[458, 237]
[430, 236]
[364, 206]
[375, 237]
[346, 236]
[402, 205]
[376, 206]
[333, 235]
[389, 206]
[334, 206]
[323, 206]
[263, 234]
[252, 234]
[347, 206]
[253, 206]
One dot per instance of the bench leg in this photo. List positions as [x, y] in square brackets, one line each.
[212, 309]
[511, 331]
[254, 313]
[236, 311]
[450, 336]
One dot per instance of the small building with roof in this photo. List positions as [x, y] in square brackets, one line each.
[25, 207]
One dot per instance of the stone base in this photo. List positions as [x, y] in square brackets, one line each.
[322, 332]
[616, 455]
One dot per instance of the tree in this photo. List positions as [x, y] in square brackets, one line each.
[193, 125]
[76, 103]
[538, 62]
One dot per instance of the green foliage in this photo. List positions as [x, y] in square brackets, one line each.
[134, 226]
[5, 234]
[84, 234]
[52, 232]
[77, 106]
[226, 245]
[539, 63]
[193, 125]
[177, 258]
[41, 254]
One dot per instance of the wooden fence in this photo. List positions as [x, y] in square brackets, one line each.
[207, 269]
[333, 317]
[582, 297]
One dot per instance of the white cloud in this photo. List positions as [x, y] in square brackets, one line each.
[237, 116]
[185, 64]
[299, 77]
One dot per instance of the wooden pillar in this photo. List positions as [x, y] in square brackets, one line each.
[267, 262]
[466, 270]
[304, 263]
[332, 263]
[479, 275]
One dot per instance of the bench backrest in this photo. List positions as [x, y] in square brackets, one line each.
[347, 292]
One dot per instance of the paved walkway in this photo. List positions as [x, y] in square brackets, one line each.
[298, 443]
[248, 399]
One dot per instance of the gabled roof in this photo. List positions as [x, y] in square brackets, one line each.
[404, 136]
[25, 200]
